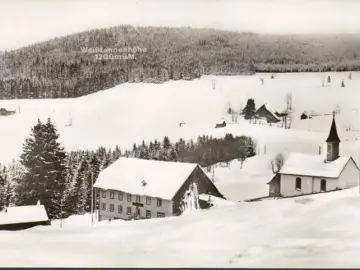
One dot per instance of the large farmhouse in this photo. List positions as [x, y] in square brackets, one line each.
[306, 174]
[23, 217]
[265, 112]
[137, 188]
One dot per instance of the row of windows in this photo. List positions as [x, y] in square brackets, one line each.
[129, 198]
[298, 184]
[128, 210]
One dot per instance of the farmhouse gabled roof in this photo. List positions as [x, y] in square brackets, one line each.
[314, 165]
[270, 110]
[163, 178]
[23, 214]
[333, 135]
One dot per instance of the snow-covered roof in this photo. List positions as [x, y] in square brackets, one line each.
[163, 178]
[23, 214]
[313, 165]
[271, 110]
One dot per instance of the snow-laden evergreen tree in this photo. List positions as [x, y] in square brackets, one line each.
[95, 168]
[79, 190]
[2, 192]
[10, 194]
[173, 154]
[45, 163]
[249, 110]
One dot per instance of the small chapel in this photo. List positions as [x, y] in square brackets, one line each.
[307, 174]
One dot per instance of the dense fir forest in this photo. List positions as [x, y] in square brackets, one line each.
[59, 68]
[62, 181]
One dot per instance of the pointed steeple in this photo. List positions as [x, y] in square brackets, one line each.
[333, 135]
[332, 142]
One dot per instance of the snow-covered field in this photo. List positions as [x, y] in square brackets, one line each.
[128, 113]
[248, 182]
[311, 231]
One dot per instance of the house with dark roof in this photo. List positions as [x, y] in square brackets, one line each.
[306, 174]
[265, 112]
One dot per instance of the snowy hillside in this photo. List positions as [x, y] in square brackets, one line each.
[309, 231]
[129, 113]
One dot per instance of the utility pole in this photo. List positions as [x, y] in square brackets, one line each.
[92, 198]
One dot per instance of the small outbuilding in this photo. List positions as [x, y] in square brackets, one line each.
[220, 125]
[5, 112]
[304, 116]
[23, 217]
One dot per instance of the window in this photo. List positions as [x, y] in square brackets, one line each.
[160, 214]
[137, 198]
[129, 197]
[298, 183]
[120, 209]
[104, 193]
[128, 210]
[148, 214]
[148, 200]
[323, 185]
[112, 208]
[111, 194]
[103, 206]
[120, 196]
[159, 202]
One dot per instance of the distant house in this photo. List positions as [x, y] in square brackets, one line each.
[304, 116]
[220, 125]
[307, 174]
[23, 217]
[4, 112]
[267, 113]
[138, 188]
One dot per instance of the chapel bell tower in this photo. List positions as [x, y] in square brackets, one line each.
[332, 142]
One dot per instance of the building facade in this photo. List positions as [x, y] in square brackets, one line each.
[115, 204]
[138, 189]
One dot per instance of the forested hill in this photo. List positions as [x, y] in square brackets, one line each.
[70, 66]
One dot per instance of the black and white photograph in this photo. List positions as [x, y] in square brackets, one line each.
[180, 134]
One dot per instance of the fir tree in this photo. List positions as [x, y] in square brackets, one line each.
[2, 192]
[166, 143]
[79, 192]
[173, 155]
[329, 79]
[249, 110]
[45, 163]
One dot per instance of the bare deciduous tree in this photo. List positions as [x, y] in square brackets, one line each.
[234, 116]
[213, 83]
[262, 80]
[289, 110]
[277, 163]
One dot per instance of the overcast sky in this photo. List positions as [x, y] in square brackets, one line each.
[28, 21]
